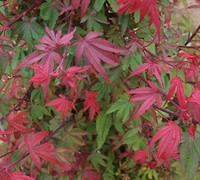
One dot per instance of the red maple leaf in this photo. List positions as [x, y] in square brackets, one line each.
[145, 7]
[19, 176]
[177, 86]
[90, 173]
[55, 40]
[83, 4]
[128, 5]
[47, 54]
[153, 69]
[141, 156]
[150, 7]
[195, 97]
[149, 95]
[62, 104]
[17, 121]
[91, 104]
[38, 150]
[97, 50]
[190, 65]
[69, 77]
[41, 77]
[192, 130]
[67, 6]
[16, 125]
[193, 104]
[169, 138]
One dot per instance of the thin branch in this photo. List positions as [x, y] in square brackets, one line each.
[17, 105]
[36, 4]
[192, 36]
[167, 111]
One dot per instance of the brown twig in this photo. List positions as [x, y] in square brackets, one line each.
[36, 4]
[192, 36]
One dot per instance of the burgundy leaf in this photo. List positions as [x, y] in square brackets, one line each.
[41, 77]
[91, 104]
[169, 138]
[97, 50]
[62, 104]
[20, 176]
[149, 95]
[141, 156]
[176, 85]
[37, 150]
[192, 130]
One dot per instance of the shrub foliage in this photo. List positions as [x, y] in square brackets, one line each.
[98, 89]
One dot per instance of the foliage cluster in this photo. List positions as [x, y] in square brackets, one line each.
[102, 89]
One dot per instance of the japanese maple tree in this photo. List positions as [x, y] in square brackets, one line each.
[102, 89]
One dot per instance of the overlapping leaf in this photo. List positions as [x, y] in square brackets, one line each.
[41, 77]
[91, 104]
[149, 95]
[47, 47]
[153, 68]
[176, 85]
[37, 150]
[95, 50]
[169, 138]
[62, 104]
[145, 7]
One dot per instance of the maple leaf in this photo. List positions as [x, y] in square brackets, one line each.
[176, 85]
[91, 104]
[47, 54]
[16, 125]
[153, 69]
[41, 77]
[55, 40]
[128, 5]
[72, 74]
[90, 174]
[97, 50]
[149, 95]
[150, 7]
[83, 4]
[195, 97]
[47, 57]
[192, 130]
[145, 7]
[190, 66]
[37, 150]
[19, 176]
[17, 122]
[62, 104]
[169, 136]
[193, 103]
[141, 156]
[66, 6]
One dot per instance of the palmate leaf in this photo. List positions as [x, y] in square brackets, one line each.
[17, 175]
[103, 124]
[176, 85]
[154, 68]
[91, 104]
[169, 138]
[62, 104]
[145, 7]
[149, 95]
[37, 150]
[95, 50]
[122, 107]
[190, 154]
